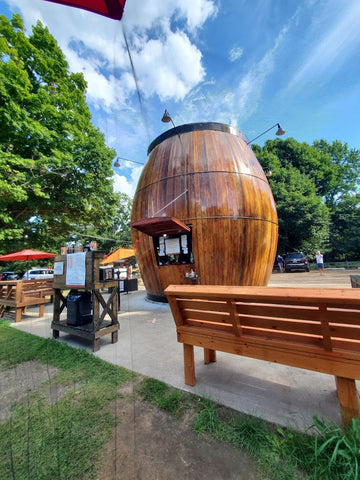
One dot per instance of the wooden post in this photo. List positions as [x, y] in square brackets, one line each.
[348, 399]
[189, 365]
[18, 299]
[209, 356]
[96, 344]
[18, 313]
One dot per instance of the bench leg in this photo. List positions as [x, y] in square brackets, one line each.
[56, 333]
[96, 345]
[209, 356]
[18, 312]
[348, 399]
[42, 310]
[114, 337]
[189, 364]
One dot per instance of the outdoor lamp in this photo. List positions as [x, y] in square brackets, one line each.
[279, 132]
[117, 163]
[166, 119]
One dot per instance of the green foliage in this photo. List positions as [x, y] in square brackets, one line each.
[316, 193]
[337, 453]
[158, 393]
[277, 451]
[63, 438]
[330, 453]
[55, 168]
[345, 227]
[119, 232]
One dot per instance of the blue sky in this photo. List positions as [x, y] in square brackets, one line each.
[246, 63]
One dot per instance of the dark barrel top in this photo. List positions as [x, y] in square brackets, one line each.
[193, 127]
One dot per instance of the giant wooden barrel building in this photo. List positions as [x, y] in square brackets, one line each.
[203, 207]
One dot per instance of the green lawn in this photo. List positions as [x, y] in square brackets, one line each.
[65, 440]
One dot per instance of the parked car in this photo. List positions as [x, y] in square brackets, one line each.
[38, 274]
[296, 261]
[8, 276]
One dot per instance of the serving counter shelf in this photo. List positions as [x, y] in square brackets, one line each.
[102, 318]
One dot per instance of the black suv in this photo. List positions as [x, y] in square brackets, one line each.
[296, 261]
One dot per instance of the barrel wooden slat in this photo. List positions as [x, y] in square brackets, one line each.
[222, 192]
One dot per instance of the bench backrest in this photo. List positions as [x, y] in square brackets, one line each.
[34, 288]
[18, 290]
[326, 318]
[8, 290]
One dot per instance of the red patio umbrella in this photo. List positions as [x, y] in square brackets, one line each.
[26, 255]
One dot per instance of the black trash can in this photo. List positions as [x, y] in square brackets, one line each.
[79, 307]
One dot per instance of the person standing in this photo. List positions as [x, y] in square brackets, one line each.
[280, 262]
[320, 262]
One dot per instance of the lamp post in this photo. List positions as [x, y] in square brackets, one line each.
[166, 119]
[117, 163]
[279, 132]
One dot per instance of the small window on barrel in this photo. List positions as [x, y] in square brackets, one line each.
[174, 249]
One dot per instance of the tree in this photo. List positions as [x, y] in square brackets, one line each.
[55, 169]
[314, 187]
[345, 228]
[303, 216]
[118, 234]
[345, 171]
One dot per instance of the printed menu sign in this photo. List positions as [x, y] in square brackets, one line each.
[76, 270]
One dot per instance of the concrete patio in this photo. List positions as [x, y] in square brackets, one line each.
[147, 345]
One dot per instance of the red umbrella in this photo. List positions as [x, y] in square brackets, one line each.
[26, 255]
[109, 8]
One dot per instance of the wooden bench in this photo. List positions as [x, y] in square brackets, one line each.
[314, 329]
[20, 294]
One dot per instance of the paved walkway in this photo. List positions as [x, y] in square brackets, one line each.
[147, 345]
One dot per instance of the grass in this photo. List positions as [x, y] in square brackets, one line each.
[64, 440]
[281, 454]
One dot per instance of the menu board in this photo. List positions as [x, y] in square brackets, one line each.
[76, 270]
[172, 246]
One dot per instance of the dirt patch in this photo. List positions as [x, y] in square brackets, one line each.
[147, 443]
[150, 444]
[20, 381]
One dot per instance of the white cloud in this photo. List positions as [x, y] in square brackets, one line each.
[250, 86]
[167, 63]
[169, 69]
[331, 45]
[235, 53]
[125, 185]
[144, 15]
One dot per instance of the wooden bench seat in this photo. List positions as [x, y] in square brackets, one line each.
[20, 294]
[314, 329]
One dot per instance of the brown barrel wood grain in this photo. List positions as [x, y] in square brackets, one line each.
[221, 191]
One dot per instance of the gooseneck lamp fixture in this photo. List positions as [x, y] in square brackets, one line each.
[279, 132]
[117, 163]
[166, 119]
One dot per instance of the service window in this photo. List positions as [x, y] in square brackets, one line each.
[174, 249]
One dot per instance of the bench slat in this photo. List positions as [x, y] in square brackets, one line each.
[340, 315]
[314, 329]
[22, 293]
[311, 356]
